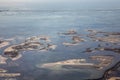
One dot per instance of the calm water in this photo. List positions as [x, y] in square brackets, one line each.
[23, 24]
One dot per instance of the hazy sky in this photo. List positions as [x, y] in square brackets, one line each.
[76, 4]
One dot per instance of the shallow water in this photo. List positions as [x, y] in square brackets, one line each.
[23, 24]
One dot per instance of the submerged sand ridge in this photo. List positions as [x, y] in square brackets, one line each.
[104, 61]
[81, 63]
[9, 74]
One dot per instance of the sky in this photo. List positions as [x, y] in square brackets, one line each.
[61, 4]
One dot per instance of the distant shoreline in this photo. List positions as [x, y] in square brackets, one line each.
[39, 10]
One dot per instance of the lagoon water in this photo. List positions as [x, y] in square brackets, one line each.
[20, 24]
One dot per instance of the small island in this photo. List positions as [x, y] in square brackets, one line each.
[75, 38]
[69, 32]
[111, 37]
[3, 43]
[104, 61]
[3, 60]
[32, 43]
